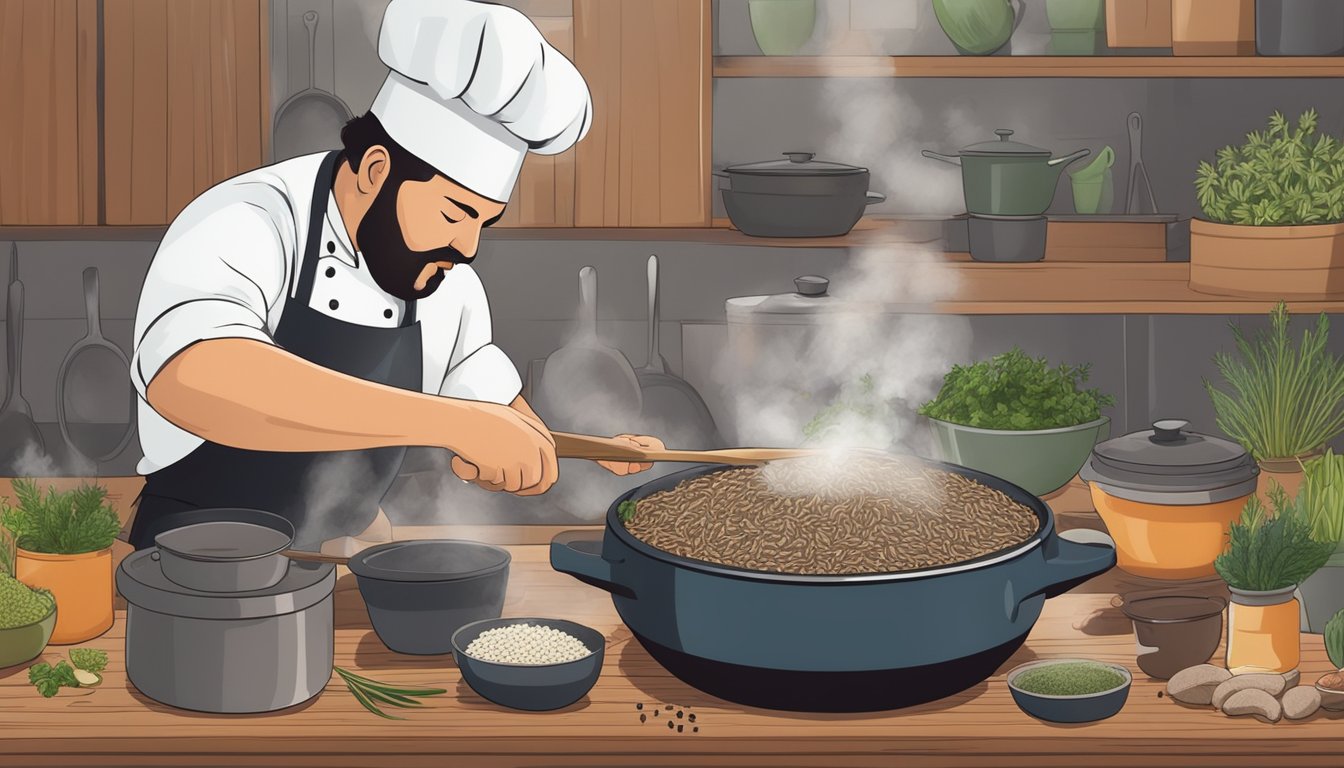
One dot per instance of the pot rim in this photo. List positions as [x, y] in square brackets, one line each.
[1264, 231]
[1042, 511]
[1017, 671]
[1263, 598]
[358, 563]
[53, 557]
[1221, 601]
[1025, 432]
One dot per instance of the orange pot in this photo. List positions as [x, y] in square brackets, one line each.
[1283, 262]
[1263, 632]
[1167, 542]
[82, 585]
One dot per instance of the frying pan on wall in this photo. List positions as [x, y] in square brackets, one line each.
[310, 120]
[94, 381]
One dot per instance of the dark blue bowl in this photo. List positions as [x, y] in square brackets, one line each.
[532, 687]
[1070, 709]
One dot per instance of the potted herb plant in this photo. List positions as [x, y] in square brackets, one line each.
[1322, 498]
[1273, 223]
[65, 547]
[1267, 557]
[1286, 400]
[1018, 418]
[1331, 686]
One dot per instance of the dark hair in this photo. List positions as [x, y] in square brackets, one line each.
[366, 131]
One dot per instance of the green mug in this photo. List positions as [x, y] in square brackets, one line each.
[781, 27]
[1093, 194]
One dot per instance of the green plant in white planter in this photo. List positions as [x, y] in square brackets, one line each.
[1019, 418]
[1322, 498]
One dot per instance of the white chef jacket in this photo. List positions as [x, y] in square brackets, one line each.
[226, 263]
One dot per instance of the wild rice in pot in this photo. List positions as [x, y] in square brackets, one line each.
[860, 514]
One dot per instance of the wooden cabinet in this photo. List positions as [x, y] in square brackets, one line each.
[49, 122]
[646, 160]
[186, 90]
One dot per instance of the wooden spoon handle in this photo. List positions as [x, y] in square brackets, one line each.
[315, 557]
[570, 446]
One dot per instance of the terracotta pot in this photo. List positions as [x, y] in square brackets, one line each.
[1286, 472]
[1138, 23]
[1213, 27]
[1293, 262]
[1263, 632]
[82, 586]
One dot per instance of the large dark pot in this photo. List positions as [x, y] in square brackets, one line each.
[829, 643]
[1299, 27]
[797, 197]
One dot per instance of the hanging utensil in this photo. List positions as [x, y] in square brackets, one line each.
[100, 374]
[1134, 201]
[672, 409]
[570, 446]
[18, 432]
[586, 385]
[310, 120]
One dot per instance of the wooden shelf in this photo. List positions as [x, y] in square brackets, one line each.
[1027, 66]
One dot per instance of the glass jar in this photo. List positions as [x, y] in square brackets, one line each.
[1263, 631]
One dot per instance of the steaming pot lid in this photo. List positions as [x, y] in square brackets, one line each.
[1171, 465]
[796, 164]
[802, 307]
[141, 581]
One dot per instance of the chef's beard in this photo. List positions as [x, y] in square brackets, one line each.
[394, 266]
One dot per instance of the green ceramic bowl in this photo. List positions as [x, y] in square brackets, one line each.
[781, 27]
[1039, 461]
[21, 644]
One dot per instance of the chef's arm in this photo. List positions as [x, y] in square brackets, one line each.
[254, 395]
[616, 467]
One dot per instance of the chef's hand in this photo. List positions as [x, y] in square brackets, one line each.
[504, 450]
[627, 467]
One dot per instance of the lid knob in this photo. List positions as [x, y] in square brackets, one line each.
[799, 157]
[1169, 430]
[1003, 133]
[811, 285]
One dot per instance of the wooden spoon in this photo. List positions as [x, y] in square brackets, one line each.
[315, 557]
[569, 446]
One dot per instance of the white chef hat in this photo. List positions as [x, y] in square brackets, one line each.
[473, 87]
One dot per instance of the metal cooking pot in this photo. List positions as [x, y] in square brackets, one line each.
[225, 550]
[829, 643]
[797, 197]
[1008, 178]
[210, 652]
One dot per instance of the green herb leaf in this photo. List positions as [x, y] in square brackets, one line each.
[1334, 640]
[64, 523]
[626, 511]
[1271, 551]
[89, 659]
[1015, 392]
[48, 679]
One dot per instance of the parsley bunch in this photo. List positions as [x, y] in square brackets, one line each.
[69, 523]
[1267, 552]
[1280, 176]
[1012, 391]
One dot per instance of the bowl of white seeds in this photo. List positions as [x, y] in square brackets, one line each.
[531, 664]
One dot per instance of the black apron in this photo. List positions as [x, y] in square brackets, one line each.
[325, 494]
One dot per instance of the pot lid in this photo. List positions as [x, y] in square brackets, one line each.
[1170, 459]
[1005, 146]
[810, 299]
[796, 164]
[428, 560]
[141, 581]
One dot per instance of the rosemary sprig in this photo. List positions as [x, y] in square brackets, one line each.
[370, 693]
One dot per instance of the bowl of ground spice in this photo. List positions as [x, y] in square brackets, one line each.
[1069, 690]
[27, 617]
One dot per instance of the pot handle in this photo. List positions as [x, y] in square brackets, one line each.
[876, 197]
[1020, 14]
[953, 159]
[578, 553]
[1069, 158]
[1067, 564]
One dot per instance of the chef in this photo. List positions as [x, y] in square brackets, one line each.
[303, 323]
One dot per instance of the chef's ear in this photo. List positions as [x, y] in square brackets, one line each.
[374, 169]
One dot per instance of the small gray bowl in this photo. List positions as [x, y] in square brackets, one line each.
[531, 687]
[1070, 709]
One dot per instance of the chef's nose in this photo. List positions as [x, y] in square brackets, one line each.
[467, 238]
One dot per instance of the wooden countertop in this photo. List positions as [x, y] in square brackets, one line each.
[115, 725]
